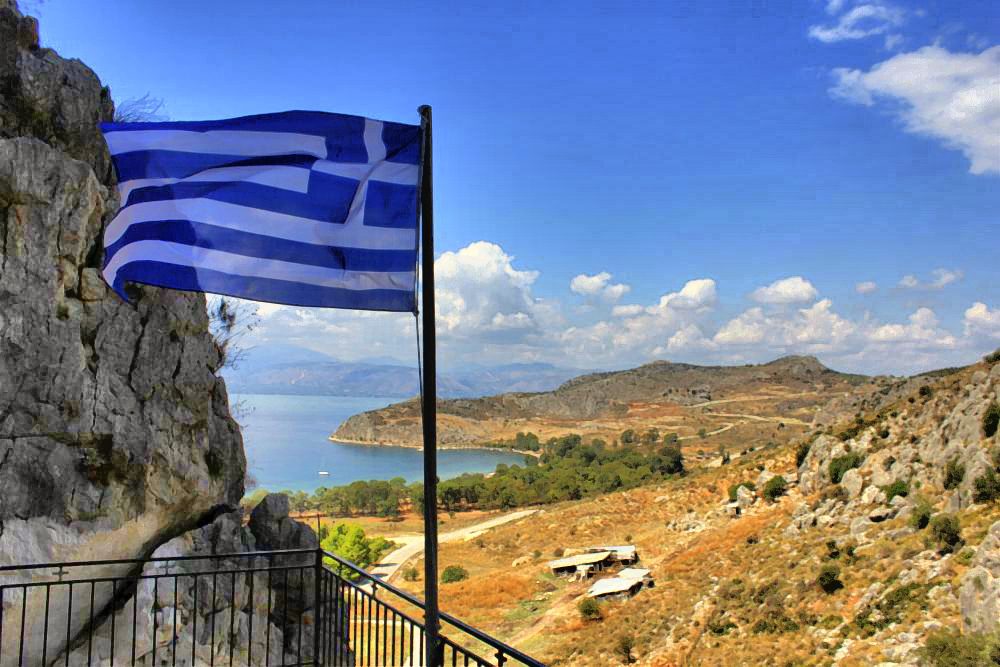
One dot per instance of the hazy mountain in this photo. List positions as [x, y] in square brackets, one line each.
[288, 369]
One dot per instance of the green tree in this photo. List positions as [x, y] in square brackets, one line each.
[946, 532]
[454, 573]
[670, 461]
[651, 437]
[589, 609]
[954, 473]
[628, 437]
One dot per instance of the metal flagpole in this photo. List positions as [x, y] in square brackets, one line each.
[433, 653]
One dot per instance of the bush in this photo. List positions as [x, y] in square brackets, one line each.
[925, 391]
[558, 552]
[954, 473]
[775, 488]
[946, 532]
[949, 648]
[897, 488]
[589, 609]
[992, 357]
[734, 489]
[986, 488]
[411, 574]
[991, 419]
[921, 516]
[842, 464]
[801, 452]
[454, 573]
[624, 648]
[829, 579]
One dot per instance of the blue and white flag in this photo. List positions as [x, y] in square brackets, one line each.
[301, 208]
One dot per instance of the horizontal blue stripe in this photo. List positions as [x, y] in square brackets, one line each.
[261, 289]
[328, 200]
[176, 164]
[344, 134]
[266, 247]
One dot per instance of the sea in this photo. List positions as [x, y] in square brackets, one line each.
[287, 445]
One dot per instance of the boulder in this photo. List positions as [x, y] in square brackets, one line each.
[744, 497]
[852, 482]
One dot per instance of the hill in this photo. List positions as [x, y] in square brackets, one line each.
[288, 369]
[887, 541]
[671, 397]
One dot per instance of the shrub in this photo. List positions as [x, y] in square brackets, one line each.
[734, 489]
[897, 488]
[986, 488]
[411, 574]
[891, 608]
[954, 473]
[949, 648]
[775, 488]
[921, 516]
[454, 573]
[829, 579]
[842, 464]
[991, 419]
[589, 609]
[992, 357]
[925, 391]
[558, 552]
[801, 452]
[624, 648]
[946, 532]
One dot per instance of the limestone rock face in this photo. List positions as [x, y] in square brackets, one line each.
[115, 431]
[980, 594]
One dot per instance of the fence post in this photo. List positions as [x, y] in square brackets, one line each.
[317, 606]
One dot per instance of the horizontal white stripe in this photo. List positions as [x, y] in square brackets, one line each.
[259, 221]
[220, 142]
[254, 267]
[275, 176]
[387, 172]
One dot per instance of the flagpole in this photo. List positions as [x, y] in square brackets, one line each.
[433, 655]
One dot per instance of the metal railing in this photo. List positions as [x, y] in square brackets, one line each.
[247, 609]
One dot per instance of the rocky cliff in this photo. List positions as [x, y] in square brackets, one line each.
[115, 430]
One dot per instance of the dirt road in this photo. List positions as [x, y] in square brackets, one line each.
[413, 544]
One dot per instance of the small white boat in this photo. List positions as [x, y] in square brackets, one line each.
[323, 472]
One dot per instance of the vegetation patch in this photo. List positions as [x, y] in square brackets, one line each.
[734, 489]
[829, 579]
[775, 488]
[954, 473]
[949, 648]
[453, 574]
[891, 608]
[946, 532]
[897, 488]
[991, 420]
[842, 464]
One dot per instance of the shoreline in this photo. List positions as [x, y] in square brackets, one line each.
[370, 443]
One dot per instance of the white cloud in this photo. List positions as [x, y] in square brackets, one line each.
[812, 329]
[627, 310]
[981, 321]
[922, 330]
[599, 285]
[940, 278]
[866, 287]
[787, 290]
[695, 295]
[892, 41]
[863, 20]
[953, 97]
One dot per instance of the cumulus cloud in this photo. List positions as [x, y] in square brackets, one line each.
[863, 20]
[627, 310]
[809, 329]
[695, 295]
[952, 97]
[787, 290]
[866, 287]
[922, 330]
[599, 285]
[981, 321]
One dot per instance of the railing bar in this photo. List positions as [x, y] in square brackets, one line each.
[232, 617]
[69, 622]
[368, 629]
[267, 645]
[284, 613]
[211, 654]
[135, 618]
[298, 643]
[194, 627]
[378, 628]
[159, 559]
[392, 651]
[24, 608]
[107, 580]
[90, 626]
[355, 630]
[1, 626]
[338, 633]
[45, 629]
[156, 617]
[250, 623]
[114, 595]
[173, 630]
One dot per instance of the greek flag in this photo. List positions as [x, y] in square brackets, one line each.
[301, 208]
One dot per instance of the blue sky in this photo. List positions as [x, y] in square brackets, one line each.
[696, 153]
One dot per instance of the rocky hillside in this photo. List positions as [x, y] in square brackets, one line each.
[886, 539]
[600, 396]
[115, 431]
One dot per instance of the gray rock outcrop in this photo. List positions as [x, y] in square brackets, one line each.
[980, 592]
[115, 431]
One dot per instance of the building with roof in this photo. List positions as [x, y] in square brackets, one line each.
[593, 561]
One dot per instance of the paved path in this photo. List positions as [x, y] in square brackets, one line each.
[413, 544]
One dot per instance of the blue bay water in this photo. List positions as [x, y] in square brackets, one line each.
[286, 444]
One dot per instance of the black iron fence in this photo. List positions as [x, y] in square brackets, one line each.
[268, 609]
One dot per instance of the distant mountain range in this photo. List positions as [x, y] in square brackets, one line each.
[288, 369]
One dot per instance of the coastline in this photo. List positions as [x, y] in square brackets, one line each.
[370, 443]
